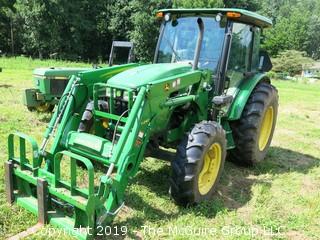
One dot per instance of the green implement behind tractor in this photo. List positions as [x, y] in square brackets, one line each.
[49, 87]
[206, 95]
[50, 83]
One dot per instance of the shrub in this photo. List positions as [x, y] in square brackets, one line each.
[292, 62]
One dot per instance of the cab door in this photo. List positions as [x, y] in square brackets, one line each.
[244, 55]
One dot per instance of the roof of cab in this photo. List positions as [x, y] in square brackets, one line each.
[246, 16]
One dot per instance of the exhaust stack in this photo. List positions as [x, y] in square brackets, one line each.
[199, 44]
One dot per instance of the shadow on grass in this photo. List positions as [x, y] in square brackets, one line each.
[5, 86]
[233, 192]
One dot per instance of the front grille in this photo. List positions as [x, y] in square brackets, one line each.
[57, 86]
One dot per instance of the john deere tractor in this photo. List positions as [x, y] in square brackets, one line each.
[206, 95]
[51, 82]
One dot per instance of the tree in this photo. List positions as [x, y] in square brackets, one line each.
[120, 19]
[37, 28]
[146, 29]
[252, 5]
[289, 33]
[8, 29]
[296, 26]
[197, 3]
[85, 29]
[276, 8]
[66, 27]
[312, 42]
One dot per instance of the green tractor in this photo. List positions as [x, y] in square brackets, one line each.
[206, 95]
[51, 82]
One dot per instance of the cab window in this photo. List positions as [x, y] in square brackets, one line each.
[256, 50]
[239, 58]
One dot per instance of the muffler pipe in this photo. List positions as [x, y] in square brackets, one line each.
[199, 44]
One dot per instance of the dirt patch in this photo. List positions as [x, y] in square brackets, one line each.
[245, 213]
[308, 186]
[229, 202]
[295, 235]
[2, 119]
[236, 192]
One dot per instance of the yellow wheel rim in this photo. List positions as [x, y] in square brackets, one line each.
[210, 169]
[266, 128]
[43, 107]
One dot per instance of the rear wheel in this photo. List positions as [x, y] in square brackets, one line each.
[253, 132]
[198, 164]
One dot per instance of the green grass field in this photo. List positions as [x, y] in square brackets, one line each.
[277, 199]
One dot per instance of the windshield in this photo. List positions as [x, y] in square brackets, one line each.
[179, 40]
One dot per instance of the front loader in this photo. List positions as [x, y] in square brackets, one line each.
[206, 95]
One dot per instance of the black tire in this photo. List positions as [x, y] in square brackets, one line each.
[189, 161]
[246, 131]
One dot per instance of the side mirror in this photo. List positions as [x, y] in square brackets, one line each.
[265, 64]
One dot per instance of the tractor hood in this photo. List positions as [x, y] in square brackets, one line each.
[146, 74]
[57, 72]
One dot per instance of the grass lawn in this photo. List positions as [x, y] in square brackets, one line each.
[277, 199]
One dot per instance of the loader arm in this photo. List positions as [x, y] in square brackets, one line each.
[91, 205]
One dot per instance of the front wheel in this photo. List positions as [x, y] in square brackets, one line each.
[198, 164]
[45, 107]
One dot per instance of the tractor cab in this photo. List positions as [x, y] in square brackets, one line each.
[228, 39]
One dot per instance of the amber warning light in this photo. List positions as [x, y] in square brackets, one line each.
[233, 15]
[159, 15]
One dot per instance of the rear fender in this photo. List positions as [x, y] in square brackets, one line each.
[243, 93]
